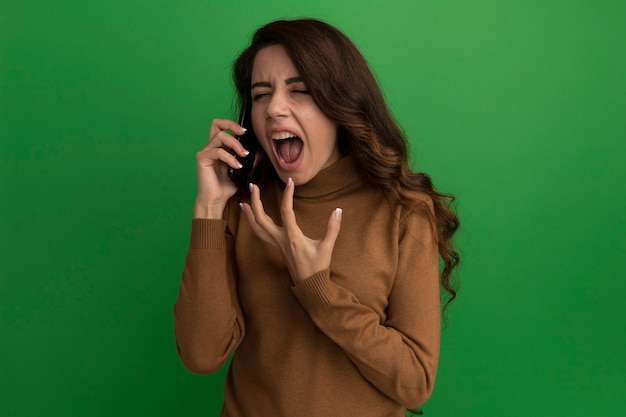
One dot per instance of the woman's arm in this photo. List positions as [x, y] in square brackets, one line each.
[399, 355]
[208, 322]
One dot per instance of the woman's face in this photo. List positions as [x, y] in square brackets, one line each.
[298, 138]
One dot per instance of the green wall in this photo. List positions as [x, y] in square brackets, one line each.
[518, 108]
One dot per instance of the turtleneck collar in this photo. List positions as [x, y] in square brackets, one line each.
[331, 179]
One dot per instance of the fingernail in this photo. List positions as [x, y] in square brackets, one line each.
[244, 129]
[246, 152]
[241, 205]
[251, 186]
[338, 213]
[289, 180]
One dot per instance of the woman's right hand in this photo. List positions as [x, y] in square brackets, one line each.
[212, 164]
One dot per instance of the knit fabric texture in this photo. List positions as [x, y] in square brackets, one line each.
[358, 339]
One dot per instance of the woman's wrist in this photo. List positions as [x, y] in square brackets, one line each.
[202, 210]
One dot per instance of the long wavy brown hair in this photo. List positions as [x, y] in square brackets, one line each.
[344, 88]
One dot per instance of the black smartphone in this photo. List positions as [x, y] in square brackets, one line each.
[242, 176]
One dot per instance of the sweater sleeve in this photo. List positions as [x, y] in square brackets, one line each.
[398, 355]
[208, 322]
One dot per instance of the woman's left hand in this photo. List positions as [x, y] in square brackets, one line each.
[304, 256]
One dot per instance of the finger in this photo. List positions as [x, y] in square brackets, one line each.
[224, 140]
[286, 209]
[260, 216]
[218, 125]
[332, 230]
[208, 156]
[258, 230]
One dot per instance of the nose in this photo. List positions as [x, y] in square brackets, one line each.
[277, 106]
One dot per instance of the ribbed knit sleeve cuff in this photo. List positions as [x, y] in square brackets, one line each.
[207, 234]
[315, 291]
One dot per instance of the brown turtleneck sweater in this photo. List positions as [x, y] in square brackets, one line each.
[359, 339]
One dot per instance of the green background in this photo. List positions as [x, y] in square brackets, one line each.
[516, 107]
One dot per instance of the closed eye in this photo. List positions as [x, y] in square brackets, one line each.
[259, 96]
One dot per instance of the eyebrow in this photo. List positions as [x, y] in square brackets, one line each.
[288, 81]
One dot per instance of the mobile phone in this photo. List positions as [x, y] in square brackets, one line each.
[242, 176]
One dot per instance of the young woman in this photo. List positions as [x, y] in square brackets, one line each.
[321, 278]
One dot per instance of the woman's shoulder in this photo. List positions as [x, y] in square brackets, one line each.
[416, 215]
[418, 203]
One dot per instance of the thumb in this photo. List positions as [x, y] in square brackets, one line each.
[332, 229]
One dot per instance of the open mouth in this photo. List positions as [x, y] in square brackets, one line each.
[288, 147]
